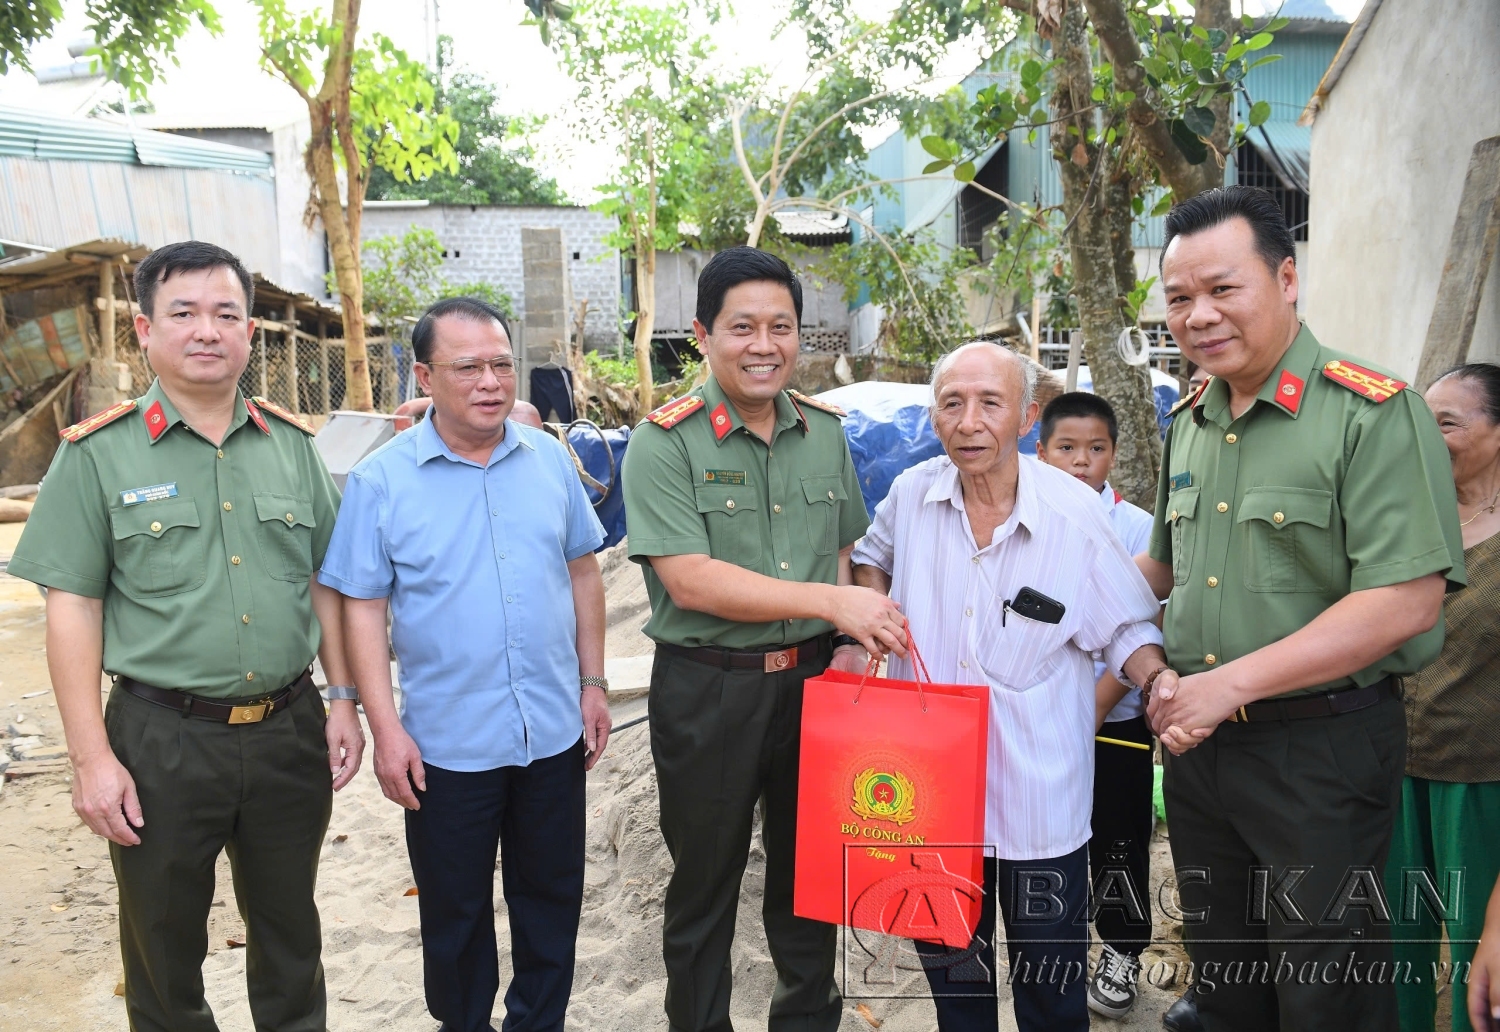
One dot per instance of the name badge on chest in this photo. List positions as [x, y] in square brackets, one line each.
[1181, 480]
[154, 493]
[733, 477]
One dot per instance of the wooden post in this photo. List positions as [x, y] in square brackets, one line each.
[294, 394]
[101, 388]
[1075, 356]
[106, 353]
[1036, 326]
[264, 391]
[323, 363]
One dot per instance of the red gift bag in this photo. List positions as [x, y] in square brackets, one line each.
[890, 805]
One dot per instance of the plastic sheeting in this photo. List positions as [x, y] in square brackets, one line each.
[888, 431]
[1163, 388]
[601, 459]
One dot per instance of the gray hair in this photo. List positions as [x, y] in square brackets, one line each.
[1028, 369]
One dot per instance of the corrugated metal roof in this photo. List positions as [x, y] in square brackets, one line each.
[1287, 148]
[37, 134]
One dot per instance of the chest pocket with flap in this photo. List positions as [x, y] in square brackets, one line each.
[1289, 548]
[1182, 514]
[729, 514]
[284, 525]
[158, 547]
[825, 496]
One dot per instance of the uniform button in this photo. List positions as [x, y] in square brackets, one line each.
[156, 528]
[775, 508]
[1278, 517]
[1213, 582]
[228, 506]
[250, 675]
[290, 518]
[221, 453]
[968, 612]
[1231, 438]
[1173, 516]
[1210, 659]
[786, 565]
[830, 496]
[964, 663]
[975, 559]
[509, 598]
[729, 504]
[502, 555]
[245, 618]
[235, 560]
[1223, 506]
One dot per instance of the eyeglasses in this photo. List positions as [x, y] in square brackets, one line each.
[468, 370]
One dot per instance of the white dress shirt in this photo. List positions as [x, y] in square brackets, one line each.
[1132, 525]
[1058, 542]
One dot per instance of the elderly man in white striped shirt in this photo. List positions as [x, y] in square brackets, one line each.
[1011, 576]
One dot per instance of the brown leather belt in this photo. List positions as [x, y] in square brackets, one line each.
[224, 712]
[1328, 704]
[767, 661]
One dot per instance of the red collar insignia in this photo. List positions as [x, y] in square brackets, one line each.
[256, 418]
[721, 421]
[1289, 391]
[156, 421]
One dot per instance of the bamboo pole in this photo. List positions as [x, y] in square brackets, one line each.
[294, 393]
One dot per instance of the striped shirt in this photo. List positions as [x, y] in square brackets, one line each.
[1058, 542]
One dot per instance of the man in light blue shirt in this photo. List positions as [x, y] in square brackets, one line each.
[478, 534]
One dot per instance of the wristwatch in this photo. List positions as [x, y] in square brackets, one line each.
[336, 692]
[840, 640]
[593, 681]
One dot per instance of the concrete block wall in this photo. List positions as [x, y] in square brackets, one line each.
[485, 242]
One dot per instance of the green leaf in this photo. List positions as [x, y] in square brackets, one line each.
[1259, 41]
[1216, 38]
[1097, 93]
[1235, 52]
[1198, 55]
[938, 147]
[1247, 21]
[1278, 24]
[1157, 67]
[965, 173]
[1263, 61]
[1031, 73]
[1188, 143]
[1200, 32]
[1162, 206]
[1126, 97]
[1109, 135]
[1259, 112]
[1199, 119]
[936, 166]
[1138, 205]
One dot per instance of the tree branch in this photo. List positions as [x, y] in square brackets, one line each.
[739, 153]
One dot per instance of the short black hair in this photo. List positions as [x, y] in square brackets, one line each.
[186, 256]
[1079, 405]
[1214, 207]
[736, 265]
[470, 308]
[1486, 377]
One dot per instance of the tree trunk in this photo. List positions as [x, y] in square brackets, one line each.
[757, 224]
[1097, 241]
[645, 320]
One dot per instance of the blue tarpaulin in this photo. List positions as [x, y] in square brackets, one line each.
[602, 458]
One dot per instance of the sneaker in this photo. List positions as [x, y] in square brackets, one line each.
[1112, 992]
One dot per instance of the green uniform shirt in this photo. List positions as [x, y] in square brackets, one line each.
[783, 510]
[201, 553]
[1313, 492]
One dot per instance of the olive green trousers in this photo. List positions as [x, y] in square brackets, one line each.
[263, 793]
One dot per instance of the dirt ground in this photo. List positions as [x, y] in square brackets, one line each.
[60, 964]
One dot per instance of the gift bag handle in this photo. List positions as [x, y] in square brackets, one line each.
[919, 669]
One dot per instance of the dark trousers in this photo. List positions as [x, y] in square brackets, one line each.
[1120, 849]
[723, 742]
[262, 793]
[1044, 904]
[534, 817]
[1280, 832]
[552, 393]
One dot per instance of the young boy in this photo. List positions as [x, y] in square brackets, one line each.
[1078, 436]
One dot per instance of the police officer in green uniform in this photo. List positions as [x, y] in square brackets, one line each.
[178, 535]
[1306, 531]
[742, 506]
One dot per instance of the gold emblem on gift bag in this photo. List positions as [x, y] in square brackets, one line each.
[879, 796]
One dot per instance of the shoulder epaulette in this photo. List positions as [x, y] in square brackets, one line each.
[1367, 383]
[674, 412]
[1191, 399]
[78, 431]
[826, 406]
[285, 415]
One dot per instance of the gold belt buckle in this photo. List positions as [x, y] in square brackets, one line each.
[1239, 715]
[251, 714]
[779, 661]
